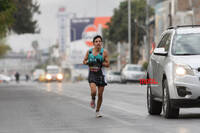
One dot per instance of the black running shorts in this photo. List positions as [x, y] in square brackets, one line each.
[97, 77]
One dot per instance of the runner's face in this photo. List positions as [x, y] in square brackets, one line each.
[97, 43]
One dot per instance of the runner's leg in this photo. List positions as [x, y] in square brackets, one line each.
[93, 94]
[100, 97]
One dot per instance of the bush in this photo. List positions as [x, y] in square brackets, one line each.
[145, 65]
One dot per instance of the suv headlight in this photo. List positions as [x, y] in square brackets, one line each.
[182, 70]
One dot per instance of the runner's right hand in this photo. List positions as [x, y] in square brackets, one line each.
[89, 63]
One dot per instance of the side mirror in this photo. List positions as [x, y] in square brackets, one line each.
[160, 51]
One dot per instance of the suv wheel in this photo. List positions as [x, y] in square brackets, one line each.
[168, 110]
[154, 107]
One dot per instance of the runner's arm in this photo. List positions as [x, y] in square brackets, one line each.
[106, 62]
[85, 60]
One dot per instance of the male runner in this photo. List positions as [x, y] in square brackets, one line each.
[96, 58]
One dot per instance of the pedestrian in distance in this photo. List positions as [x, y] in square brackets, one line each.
[96, 58]
[17, 76]
[27, 77]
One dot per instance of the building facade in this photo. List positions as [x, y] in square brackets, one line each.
[176, 12]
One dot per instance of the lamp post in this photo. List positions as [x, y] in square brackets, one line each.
[147, 30]
[129, 31]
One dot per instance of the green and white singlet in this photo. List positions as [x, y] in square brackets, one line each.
[96, 74]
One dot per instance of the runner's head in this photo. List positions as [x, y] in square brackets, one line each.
[97, 41]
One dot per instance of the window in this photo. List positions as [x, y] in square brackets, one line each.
[165, 42]
[186, 44]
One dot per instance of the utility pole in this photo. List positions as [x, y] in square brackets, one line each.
[136, 42]
[147, 29]
[193, 14]
[119, 56]
[129, 31]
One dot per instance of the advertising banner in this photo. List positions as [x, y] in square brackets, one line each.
[86, 28]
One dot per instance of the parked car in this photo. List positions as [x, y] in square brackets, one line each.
[132, 72]
[5, 78]
[113, 76]
[175, 65]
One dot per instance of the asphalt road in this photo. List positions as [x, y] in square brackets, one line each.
[64, 108]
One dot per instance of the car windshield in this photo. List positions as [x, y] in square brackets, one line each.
[52, 71]
[186, 44]
[134, 68]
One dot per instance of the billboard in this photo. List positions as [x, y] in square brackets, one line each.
[86, 28]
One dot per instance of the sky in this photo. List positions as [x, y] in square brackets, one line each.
[48, 22]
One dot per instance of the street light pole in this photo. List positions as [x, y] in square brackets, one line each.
[129, 30]
[147, 29]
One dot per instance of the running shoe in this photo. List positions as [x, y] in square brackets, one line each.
[98, 115]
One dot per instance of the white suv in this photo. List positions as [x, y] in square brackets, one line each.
[175, 66]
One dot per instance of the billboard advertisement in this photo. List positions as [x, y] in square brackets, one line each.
[86, 28]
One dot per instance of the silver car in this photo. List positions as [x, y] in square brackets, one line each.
[132, 72]
[113, 76]
[5, 78]
[175, 66]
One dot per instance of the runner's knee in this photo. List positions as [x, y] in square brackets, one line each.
[100, 95]
[93, 93]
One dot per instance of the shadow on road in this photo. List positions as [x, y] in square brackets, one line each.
[189, 116]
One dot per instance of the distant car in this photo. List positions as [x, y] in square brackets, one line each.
[42, 78]
[113, 76]
[132, 72]
[5, 78]
[37, 73]
[22, 78]
[53, 73]
[79, 72]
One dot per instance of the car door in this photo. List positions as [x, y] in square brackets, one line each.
[156, 89]
[161, 62]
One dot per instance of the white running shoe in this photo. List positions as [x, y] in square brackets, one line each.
[98, 115]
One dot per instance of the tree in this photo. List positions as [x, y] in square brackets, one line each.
[3, 48]
[118, 27]
[23, 16]
[7, 9]
[17, 15]
[35, 44]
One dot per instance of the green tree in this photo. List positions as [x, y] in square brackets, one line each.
[118, 27]
[3, 48]
[17, 15]
[7, 9]
[24, 22]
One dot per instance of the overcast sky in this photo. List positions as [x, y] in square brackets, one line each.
[47, 21]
